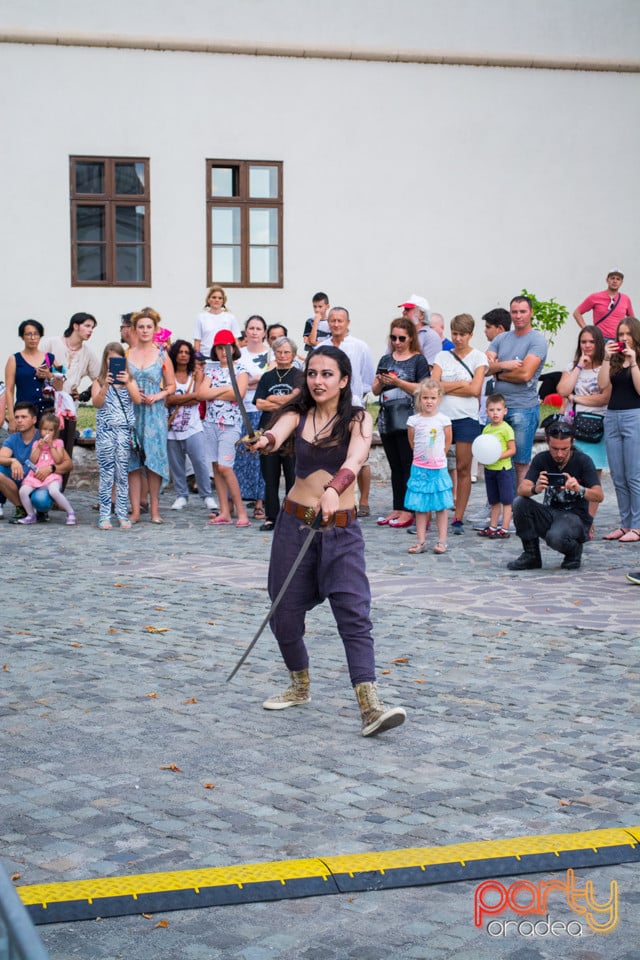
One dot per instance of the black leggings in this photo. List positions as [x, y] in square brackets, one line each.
[400, 456]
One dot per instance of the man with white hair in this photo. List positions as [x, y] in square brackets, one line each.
[437, 324]
[416, 308]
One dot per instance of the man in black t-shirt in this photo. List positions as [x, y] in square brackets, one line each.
[275, 388]
[569, 482]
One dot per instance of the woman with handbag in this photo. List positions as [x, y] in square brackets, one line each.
[579, 385]
[398, 374]
[622, 425]
[461, 372]
[185, 437]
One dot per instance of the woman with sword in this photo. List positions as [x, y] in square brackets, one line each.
[331, 439]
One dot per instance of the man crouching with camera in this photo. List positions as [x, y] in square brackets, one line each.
[568, 480]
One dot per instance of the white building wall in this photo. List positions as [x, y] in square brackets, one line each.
[462, 183]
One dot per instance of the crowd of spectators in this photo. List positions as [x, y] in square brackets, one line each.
[169, 412]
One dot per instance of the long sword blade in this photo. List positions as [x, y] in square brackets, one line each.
[236, 390]
[313, 529]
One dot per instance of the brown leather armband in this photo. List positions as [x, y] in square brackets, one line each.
[272, 441]
[343, 479]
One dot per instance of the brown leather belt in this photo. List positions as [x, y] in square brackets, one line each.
[341, 518]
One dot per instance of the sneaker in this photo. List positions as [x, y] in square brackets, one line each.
[1, 512]
[27, 520]
[71, 520]
[489, 532]
[457, 526]
[20, 513]
[211, 503]
[501, 534]
[179, 503]
[480, 523]
[375, 716]
[634, 577]
[42, 516]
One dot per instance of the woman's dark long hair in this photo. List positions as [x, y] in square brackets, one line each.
[598, 350]
[173, 353]
[633, 325]
[303, 402]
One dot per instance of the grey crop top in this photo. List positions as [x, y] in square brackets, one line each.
[311, 457]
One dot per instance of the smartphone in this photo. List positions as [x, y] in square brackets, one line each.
[382, 370]
[556, 480]
[116, 366]
[621, 346]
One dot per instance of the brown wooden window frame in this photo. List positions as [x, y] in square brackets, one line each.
[110, 201]
[245, 202]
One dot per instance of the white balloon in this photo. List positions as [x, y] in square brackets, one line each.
[486, 448]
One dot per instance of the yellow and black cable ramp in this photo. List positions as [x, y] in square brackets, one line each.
[288, 879]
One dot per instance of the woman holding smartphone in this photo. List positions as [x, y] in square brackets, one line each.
[113, 393]
[398, 374]
[620, 371]
[28, 374]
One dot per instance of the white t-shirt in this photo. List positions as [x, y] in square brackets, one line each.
[207, 325]
[459, 407]
[586, 384]
[187, 420]
[428, 440]
[256, 364]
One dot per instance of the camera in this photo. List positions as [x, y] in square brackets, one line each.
[620, 346]
[556, 480]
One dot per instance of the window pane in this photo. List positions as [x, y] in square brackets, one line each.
[129, 178]
[225, 224]
[263, 265]
[224, 181]
[91, 262]
[89, 223]
[130, 224]
[263, 181]
[226, 264]
[89, 177]
[263, 226]
[130, 264]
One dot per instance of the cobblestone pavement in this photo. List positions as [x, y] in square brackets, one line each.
[522, 699]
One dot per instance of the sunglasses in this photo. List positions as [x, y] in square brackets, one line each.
[400, 338]
[557, 430]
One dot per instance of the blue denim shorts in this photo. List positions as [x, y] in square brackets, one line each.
[524, 423]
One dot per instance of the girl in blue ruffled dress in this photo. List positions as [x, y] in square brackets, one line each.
[429, 488]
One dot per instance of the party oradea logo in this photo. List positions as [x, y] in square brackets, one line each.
[530, 901]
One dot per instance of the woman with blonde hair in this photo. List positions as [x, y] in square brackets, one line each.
[214, 317]
[153, 372]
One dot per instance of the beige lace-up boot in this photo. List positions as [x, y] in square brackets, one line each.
[296, 693]
[375, 716]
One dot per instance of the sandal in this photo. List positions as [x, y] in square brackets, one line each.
[418, 547]
[632, 536]
[219, 521]
[440, 547]
[268, 525]
[364, 510]
[259, 514]
[125, 525]
[105, 525]
[616, 534]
